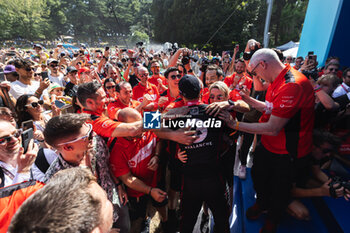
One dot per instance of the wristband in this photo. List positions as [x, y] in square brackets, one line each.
[149, 193]
[237, 124]
[317, 88]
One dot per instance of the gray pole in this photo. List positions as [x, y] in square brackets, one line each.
[267, 23]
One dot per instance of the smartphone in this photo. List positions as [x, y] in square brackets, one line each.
[27, 135]
[27, 125]
[310, 53]
[312, 59]
[237, 46]
[59, 104]
[124, 50]
[44, 75]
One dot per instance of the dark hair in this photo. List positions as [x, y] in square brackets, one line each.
[87, 90]
[20, 63]
[331, 58]
[320, 137]
[169, 70]
[21, 108]
[108, 80]
[64, 126]
[345, 72]
[218, 70]
[279, 53]
[302, 59]
[65, 204]
[183, 67]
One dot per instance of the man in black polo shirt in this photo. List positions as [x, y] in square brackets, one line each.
[201, 170]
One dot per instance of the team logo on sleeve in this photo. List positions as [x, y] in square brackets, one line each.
[151, 120]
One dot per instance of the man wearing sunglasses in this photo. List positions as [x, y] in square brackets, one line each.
[26, 84]
[145, 87]
[172, 77]
[14, 165]
[76, 145]
[286, 128]
[55, 75]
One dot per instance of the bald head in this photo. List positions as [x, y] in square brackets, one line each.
[129, 115]
[266, 64]
[267, 55]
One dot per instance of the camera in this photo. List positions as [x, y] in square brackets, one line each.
[139, 44]
[311, 74]
[204, 66]
[248, 55]
[338, 182]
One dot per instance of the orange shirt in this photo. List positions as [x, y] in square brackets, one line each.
[116, 105]
[102, 125]
[12, 197]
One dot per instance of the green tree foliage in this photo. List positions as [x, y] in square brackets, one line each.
[187, 22]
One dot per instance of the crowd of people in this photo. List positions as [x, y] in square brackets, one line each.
[75, 155]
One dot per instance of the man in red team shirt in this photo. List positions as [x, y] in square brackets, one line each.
[286, 128]
[172, 93]
[124, 99]
[134, 160]
[214, 73]
[157, 79]
[93, 98]
[145, 87]
[238, 80]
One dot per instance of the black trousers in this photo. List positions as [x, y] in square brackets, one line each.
[208, 190]
[272, 177]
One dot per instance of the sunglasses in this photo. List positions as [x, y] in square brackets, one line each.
[173, 77]
[37, 74]
[28, 69]
[53, 66]
[144, 75]
[333, 69]
[110, 87]
[89, 135]
[7, 139]
[35, 104]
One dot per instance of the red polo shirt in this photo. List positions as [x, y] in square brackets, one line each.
[139, 91]
[290, 96]
[133, 156]
[154, 80]
[247, 82]
[116, 105]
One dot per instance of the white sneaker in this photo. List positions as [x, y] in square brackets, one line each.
[242, 172]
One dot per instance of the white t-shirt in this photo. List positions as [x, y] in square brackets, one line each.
[58, 80]
[341, 90]
[18, 88]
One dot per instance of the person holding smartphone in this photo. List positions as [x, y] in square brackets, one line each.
[14, 163]
[26, 84]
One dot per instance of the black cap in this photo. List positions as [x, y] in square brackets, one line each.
[71, 69]
[190, 87]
